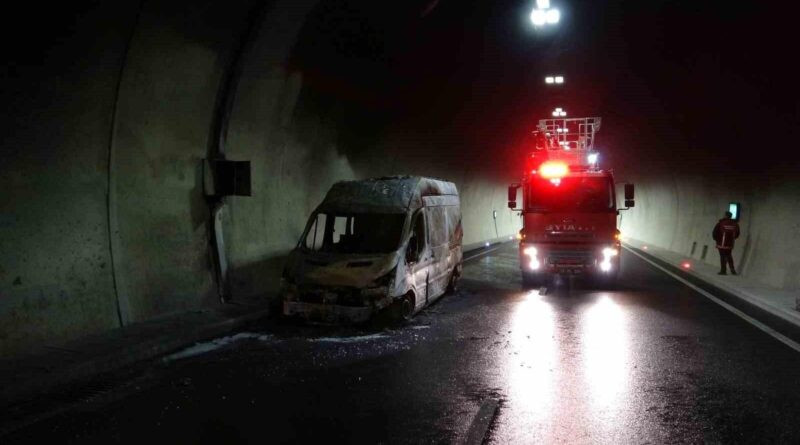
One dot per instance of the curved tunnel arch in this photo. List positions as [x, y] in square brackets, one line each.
[300, 133]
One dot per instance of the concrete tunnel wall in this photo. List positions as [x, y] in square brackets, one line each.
[680, 199]
[676, 212]
[104, 221]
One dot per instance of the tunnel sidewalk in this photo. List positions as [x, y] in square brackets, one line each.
[49, 366]
[773, 307]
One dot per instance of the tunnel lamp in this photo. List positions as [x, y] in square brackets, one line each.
[544, 15]
[538, 17]
[553, 16]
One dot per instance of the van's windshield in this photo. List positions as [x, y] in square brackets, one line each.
[355, 233]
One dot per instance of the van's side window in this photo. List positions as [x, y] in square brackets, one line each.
[437, 225]
[316, 235]
[454, 231]
[419, 230]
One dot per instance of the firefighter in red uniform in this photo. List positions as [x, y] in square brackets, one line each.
[725, 232]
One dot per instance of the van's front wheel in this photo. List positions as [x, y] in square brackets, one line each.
[403, 309]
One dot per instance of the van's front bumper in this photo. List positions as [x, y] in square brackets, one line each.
[324, 307]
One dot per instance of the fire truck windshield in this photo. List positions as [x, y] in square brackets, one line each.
[585, 194]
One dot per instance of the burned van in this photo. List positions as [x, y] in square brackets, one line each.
[389, 243]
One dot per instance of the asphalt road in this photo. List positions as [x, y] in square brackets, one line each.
[648, 362]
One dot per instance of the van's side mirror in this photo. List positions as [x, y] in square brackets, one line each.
[512, 196]
[412, 251]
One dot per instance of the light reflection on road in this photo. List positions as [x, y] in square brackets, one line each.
[532, 365]
[567, 371]
[605, 354]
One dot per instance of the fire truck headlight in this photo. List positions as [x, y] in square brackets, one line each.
[533, 262]
[608, 253]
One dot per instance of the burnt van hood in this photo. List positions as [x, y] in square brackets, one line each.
[335, 270]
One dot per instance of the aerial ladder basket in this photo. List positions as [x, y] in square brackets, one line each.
[575, 133]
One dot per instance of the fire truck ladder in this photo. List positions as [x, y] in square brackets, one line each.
[571, 133]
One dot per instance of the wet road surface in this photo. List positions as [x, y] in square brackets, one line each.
[648, 362]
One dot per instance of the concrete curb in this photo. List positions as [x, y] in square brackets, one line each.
[141, 351]
[773, 317]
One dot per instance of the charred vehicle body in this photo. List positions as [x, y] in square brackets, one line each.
[387, 243]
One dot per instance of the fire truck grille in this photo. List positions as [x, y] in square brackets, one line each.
[570, 235]
[570, 257]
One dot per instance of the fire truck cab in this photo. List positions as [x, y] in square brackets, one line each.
[569, 205]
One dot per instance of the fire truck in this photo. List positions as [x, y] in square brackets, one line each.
[569, 206]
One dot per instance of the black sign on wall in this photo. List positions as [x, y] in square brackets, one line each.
[227, 178]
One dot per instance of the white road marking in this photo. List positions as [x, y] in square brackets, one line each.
[483, 253]
[766, 329]
[481, 423]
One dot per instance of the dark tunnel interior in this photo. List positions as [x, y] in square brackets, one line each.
[116, 114]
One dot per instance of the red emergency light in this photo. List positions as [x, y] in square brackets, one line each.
[553, 170]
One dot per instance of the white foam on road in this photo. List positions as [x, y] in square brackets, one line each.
[217, 343]
[355, 339]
